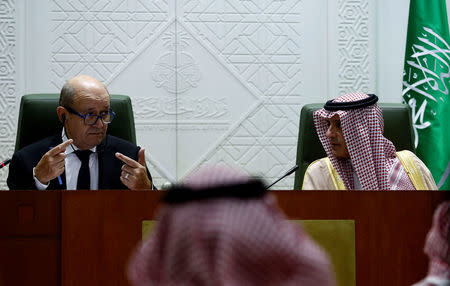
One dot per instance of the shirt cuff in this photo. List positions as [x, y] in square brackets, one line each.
[38, 184]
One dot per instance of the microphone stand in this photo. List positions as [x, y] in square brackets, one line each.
[292, 170]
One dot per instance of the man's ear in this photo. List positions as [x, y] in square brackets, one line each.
[61, 111]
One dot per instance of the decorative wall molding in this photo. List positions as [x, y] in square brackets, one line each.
[206, 110]
[176, 70]
[353, 44]
[100, 38]
[259, 41]
[8, 123]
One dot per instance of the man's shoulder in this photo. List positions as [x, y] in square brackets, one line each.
[318, 176]
[319, 164]
[111, 140]
[408, 155]
[20, 170]
[116, 144]
[415, 167]
[43, 144]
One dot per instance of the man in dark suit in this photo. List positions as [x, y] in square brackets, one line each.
[81, 156]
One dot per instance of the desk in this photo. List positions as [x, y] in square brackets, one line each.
[86, 237]
[30, 238]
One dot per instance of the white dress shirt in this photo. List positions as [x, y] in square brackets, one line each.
[72, 167]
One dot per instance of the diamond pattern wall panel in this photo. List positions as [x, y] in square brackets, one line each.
[8, 121]
[100, 38]
[353, 47]
[259, 41]
[264, 144]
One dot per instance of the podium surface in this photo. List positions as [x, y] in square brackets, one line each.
[86, 237]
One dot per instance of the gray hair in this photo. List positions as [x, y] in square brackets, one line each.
[67, 95]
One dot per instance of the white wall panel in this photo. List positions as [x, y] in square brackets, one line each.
[392, 19]
[267, 46]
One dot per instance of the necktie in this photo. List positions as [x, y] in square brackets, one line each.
[84, 176]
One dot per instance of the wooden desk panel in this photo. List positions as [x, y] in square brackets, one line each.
[101, 228]
[99, 231]
[30, 261]
[29, 238]
[29, 213]
[86, 237]
[390, 228]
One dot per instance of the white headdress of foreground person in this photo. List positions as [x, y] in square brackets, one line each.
[221, 227]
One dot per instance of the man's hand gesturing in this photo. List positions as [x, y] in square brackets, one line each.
[52, 163]
[134, 174]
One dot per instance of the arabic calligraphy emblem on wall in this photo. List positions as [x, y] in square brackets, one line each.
[176, 71]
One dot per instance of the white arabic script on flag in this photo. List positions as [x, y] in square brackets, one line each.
[428, 68]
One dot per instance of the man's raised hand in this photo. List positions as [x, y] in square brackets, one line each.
[52, 163]
[134, 173]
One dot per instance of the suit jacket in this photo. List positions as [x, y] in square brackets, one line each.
[20, 175]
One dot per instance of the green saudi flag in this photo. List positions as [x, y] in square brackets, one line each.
[426, 82]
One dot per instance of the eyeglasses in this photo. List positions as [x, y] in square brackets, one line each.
[91, 119]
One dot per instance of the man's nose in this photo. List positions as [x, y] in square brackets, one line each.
[330, 132]
[99, 123]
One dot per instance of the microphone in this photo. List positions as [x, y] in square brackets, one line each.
[4, 163]
[292, 170]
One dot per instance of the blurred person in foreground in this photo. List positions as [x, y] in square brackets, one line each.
[220, 227]
[359, 157]
[81, 155]
[437, 248]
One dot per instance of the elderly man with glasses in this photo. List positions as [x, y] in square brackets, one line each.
[81, 155]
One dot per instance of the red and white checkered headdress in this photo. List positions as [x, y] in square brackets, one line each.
[437, 245]
[226, 240]
[371, 154]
